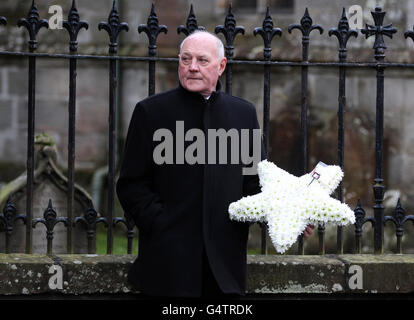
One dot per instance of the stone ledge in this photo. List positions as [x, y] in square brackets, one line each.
[103, 274]
[352, 273]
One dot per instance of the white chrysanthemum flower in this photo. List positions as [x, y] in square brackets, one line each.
[289, 203]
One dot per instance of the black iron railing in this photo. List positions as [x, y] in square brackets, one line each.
[152, 29]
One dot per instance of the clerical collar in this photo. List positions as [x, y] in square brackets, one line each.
[218, 89]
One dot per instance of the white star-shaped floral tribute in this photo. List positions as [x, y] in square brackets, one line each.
[289, 203]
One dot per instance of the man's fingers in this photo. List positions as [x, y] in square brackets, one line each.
[308, 230]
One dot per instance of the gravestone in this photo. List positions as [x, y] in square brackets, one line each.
[49, 183]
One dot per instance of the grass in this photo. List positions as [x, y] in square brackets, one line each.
[120, 242]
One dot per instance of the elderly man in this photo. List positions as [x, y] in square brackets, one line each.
[188, 246]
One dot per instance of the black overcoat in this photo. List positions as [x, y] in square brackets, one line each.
[181, 208]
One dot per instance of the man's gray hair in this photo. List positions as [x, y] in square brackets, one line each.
[220, 46]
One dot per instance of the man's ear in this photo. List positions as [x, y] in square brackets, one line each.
[222, 65]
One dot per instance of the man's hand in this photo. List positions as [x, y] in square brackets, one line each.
[308, 230]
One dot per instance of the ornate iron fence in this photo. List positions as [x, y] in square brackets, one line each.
[230, 30]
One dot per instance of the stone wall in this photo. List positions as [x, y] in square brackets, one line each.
[92, 87]
[331, 275]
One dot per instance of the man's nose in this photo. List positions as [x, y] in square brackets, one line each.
[194, 65]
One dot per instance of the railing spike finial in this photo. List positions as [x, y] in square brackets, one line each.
[9, 209]
[91, 214]
[306, 25]
[306, 19]
[152, 30]
[191, 24]
[90, 220]
[50, 220]
[360, 217]
[343, 33]
[343, 13]
[50, 212]
[33, 25]
[113, 27]
[268, 14]
[229, 31]
[9, 199]
[399, 212]
[360, 220]
[399, 202]
[359, 211]
[267, 32]
[399, 218]
[73, 25]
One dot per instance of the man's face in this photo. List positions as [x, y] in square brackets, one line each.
[199, 67]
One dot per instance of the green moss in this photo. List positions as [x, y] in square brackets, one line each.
[44, 139]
